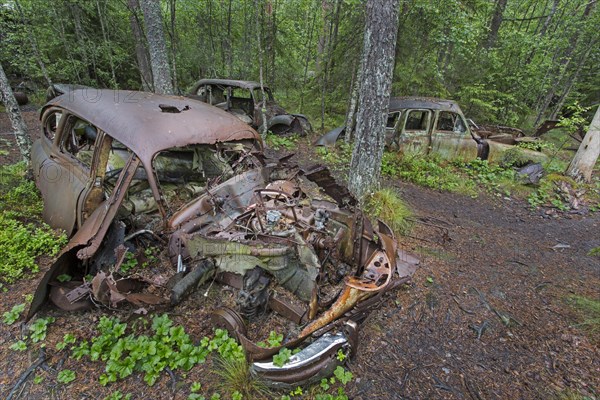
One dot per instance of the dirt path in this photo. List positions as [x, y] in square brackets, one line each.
[486, 264]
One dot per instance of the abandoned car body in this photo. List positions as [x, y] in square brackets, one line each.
[244, 100]
[134, 169]
[426, 125]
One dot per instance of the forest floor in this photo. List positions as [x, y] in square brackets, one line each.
[487, 264]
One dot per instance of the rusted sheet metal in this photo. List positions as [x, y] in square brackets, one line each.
[244, 100]
[135, 119]
[421, 125]
[291, 242]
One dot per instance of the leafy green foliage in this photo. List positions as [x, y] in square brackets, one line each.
[337, 156]
[66, 376]
[9, 317]
[117, 395]
[493, 178]
[20, 241]
[19, 346]
[275, 339]
[424, 171]
[594, 252]
[342, 375]
[168, 346]
[129, 263]
[282, 357]
[39, 329]
[575, 121]
[68, 339]
[386, 205]
[277, 142]
[64, 278]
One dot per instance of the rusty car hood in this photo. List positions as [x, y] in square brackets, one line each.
[145, 127]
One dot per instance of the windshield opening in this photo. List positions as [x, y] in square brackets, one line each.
[183, 173]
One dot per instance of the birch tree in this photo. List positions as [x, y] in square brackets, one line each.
[159, 60]
[14, 114]
[583, 163]
[381, 27]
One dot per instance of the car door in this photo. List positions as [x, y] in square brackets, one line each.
[451, 138]
[62, 168]
[415, 131]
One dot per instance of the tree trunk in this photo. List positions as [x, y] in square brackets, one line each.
[161, 72]
[79, 34]
[114, 84]
[495, 23]
[381, 27]
[173, 35]
[141, 51]
[263, 109]
[585, 159]
[350, 115]
[14, 114]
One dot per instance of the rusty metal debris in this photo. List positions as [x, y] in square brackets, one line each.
[289, 241]
[430, 125]
[244, 99]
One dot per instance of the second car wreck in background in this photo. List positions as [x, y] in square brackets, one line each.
[183, 176]
[429, 125]
[244, 99]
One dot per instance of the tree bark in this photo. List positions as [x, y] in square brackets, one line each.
[263, 108]
[583, 163]
[141, 51]
[161, 72]
[381, 27]
[495, 23]
[113, 84]
[14, 114]
[350, 115]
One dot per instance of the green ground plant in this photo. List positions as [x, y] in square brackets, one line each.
[22, 237]
[428, 171]
[277, 142]
[387, 205]
[9, 317]
[590, 311]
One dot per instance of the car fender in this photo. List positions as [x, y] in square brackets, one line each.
[330, 137]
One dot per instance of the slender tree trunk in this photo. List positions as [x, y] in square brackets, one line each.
[229, 42]
[350, 115]
[583, 163]
[161, 72]
[495, 23]
[381, 28]
[308, 48]
[260, 68]
[107, 44]
[34, 46]
[173, 34]
[14, 114]
[81, 43]
[141, 51]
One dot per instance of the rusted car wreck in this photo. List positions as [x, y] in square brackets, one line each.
[136, 169]
[244, 99]
[430, 125]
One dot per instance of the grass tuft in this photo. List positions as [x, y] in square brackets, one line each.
[386, 205]
[590, 311]
[236, 376]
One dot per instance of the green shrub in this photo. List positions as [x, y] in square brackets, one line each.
[427, 171]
